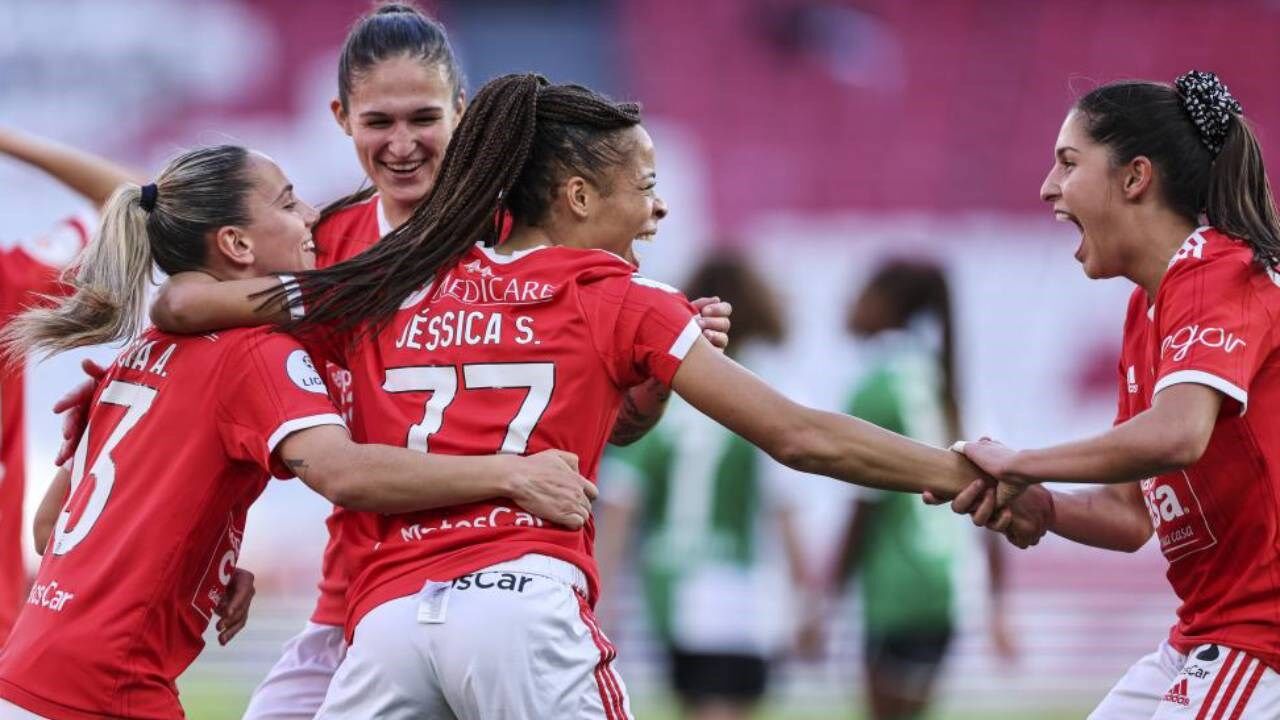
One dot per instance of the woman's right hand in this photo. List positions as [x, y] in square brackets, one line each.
[547, 484]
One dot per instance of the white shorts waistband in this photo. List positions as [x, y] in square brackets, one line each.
[544, 565]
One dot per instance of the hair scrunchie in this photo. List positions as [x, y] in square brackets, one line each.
[1210, 105]
[148, 200]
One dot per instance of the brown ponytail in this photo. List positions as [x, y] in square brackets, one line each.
[1239, 199]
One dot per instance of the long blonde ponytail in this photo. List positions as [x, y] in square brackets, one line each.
[198, 192]
[110, 286]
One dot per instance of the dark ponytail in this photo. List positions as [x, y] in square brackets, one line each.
[1196, 136]
[517, 141]
[393, 29]
[910, 288]
[1239, 197]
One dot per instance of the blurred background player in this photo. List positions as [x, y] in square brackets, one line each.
[904, 553]
[29, 268]
[718, 550]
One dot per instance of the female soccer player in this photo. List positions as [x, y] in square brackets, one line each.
[400, 96]
[907, 555]
[463, 348]
[148, 538]
[1137, 166]
[28, 269]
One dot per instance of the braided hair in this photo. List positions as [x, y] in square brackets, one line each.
[1195, 135]
[520, 139]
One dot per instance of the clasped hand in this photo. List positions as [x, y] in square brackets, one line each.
[1003, 502]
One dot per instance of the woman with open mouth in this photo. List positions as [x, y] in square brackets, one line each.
[1167, 187]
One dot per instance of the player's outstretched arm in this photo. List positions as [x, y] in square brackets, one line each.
[810, 440]
[47, 514]
[92, 176]
[1170, 435]
[381, 478]
[193, 302]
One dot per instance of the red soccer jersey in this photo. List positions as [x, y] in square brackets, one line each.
[343, 235]
[511, 354]
[179, 444]
[27, 269]
[1218, 520]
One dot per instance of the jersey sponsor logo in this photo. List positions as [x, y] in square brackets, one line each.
[1132, 378]
[50, 596]
[302, 371]
[1178, 694]
[499, 516]
[475, 283]
[1193, 247]
[512, 582]
[341, 392]
[222, 565]
[1176, 515]
[1188, 336]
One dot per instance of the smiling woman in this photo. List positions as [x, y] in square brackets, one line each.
[399, 98]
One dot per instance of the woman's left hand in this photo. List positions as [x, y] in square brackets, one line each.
[714, 319]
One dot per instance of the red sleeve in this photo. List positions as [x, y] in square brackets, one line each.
[271, 389]
[32, 266]
[649, 335]
[1213, 327]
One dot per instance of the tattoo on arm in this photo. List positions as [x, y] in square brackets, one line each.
[298, 467]
[633, 421]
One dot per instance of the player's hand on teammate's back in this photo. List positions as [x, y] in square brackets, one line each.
[233, 610]
[75, 408]
[548, 485]
[714, 320]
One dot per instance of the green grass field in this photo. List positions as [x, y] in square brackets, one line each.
[211, 702]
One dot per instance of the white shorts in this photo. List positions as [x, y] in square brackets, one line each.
[513, 641]
[296, 685]
[1214, 682]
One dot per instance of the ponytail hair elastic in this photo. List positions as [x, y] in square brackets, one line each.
[148, 200]
[1210, 105]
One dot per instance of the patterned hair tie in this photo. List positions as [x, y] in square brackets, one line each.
[1210, 106]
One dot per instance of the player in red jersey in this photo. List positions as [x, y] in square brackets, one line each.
[1194, 456]
[399, 98]
[476, 611]
[29, 268]
[128, 585]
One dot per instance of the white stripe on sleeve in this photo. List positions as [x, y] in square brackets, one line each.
[688, 336]
[1199, 377]
[289, 427]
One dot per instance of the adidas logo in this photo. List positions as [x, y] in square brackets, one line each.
[1178, 693]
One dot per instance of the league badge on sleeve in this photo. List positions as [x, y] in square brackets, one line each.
[302, 371]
